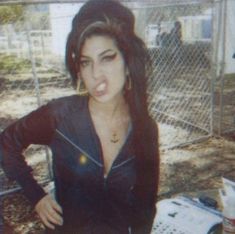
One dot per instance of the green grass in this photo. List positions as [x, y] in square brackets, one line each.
[10, 64]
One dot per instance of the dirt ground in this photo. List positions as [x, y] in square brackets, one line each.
[197, 167]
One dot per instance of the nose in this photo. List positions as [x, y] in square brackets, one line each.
[96, 71]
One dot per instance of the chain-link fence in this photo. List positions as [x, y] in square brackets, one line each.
[181, 41]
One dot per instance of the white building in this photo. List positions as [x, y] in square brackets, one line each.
[61, 16]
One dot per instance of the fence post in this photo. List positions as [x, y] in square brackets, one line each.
[221, 101]
[37, 88]
[216, 27]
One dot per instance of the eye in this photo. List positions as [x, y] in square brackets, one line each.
[108, 58]
[84, 63]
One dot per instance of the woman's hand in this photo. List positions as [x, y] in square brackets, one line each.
[49, 211]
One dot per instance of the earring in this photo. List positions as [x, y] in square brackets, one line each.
[128, 83]
[81, 89]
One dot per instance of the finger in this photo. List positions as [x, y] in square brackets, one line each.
[57, 207]
[55, 217]
[47, 223]
[56, 212]
[54, 220]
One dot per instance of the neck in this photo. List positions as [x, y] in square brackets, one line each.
[111, 119]
[108, 109]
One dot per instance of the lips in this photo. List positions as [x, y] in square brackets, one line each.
[101, 88]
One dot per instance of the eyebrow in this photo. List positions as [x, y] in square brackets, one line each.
[101, 54]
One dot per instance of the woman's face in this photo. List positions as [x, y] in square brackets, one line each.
[102, 68]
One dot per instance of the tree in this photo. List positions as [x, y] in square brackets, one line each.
[11, 14]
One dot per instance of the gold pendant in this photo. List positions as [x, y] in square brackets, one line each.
[114, 138]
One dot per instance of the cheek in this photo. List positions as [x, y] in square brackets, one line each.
[86, 77]
[85, 73]
[87, 83]
[119, 77]
[122, 73]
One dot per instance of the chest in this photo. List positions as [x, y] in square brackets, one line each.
[112, 140]
[111, 149]
[81, 155]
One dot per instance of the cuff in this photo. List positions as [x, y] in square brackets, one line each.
[32, 190]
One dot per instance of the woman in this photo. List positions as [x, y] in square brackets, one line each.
[103, 142]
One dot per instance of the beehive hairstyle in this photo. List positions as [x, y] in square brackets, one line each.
[110, 18]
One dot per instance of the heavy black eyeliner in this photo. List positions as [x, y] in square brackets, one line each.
[110, 57]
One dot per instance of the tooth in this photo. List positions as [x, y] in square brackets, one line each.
[101, 87]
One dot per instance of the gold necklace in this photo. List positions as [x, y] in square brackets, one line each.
[114, 135]
[114, 138]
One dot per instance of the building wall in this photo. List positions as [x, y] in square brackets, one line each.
[61, 16]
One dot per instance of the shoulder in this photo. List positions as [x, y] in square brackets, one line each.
[56, 109]
[63, 105]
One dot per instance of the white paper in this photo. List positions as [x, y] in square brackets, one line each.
[184, 216]
[227, 191]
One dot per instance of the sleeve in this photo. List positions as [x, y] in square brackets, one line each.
[35, 128]
[145, 205]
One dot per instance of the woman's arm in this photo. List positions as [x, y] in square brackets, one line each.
[35, 128]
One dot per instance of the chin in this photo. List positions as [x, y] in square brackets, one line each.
[101, 98]
[106, 98]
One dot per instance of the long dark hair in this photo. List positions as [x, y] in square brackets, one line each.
[110, 18]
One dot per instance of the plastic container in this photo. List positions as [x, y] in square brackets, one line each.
[229, 216]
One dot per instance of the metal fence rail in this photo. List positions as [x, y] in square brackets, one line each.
[181, 42]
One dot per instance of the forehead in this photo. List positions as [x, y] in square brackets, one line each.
[97, 44]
